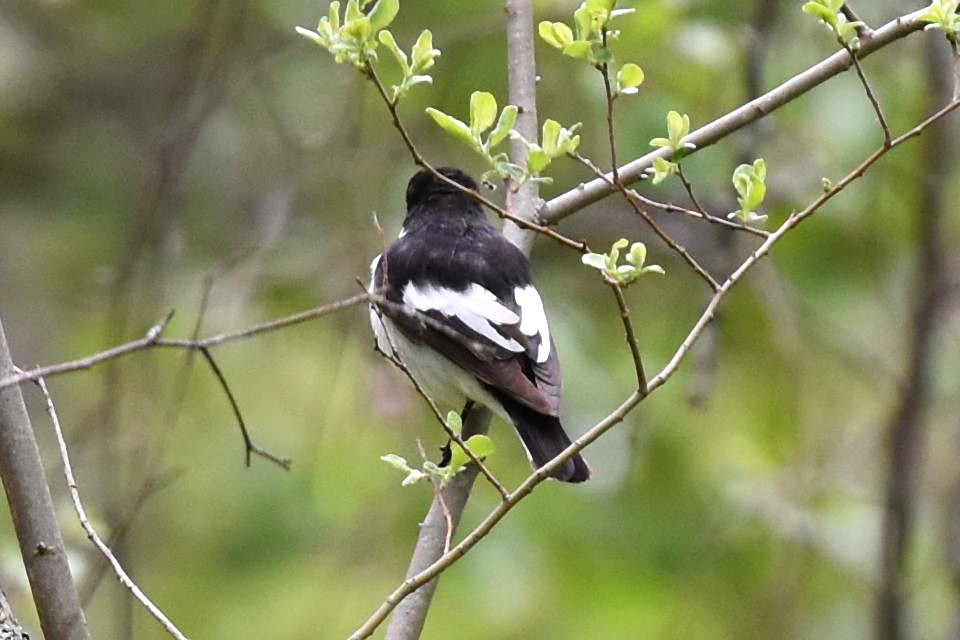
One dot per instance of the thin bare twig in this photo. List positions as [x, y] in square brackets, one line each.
[862, 29]
[152, 339]
[438, 494]
[122, 575]
[871, 96]
[249, 445]
[688, 187]
[668, 207]
[631, 335]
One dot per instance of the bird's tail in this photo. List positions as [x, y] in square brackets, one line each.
[543, 437]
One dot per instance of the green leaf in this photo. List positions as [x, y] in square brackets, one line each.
[595, 260]
[820, 11]
[629, 78]
[638, 254]
[483, 110]
[395, 461]
[455, 422]
[662, 169]
[678, 126]
[386, 38]
[537, 160]
[550, 137]
[383, 14]
[504, 125]
[580, 49]
[582, 22]
[480, 445]
[423, 52]
[454, 127]
[556, 34]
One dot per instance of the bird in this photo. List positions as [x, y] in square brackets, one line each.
[463, 316]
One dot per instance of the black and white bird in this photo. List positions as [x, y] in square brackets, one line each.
[488, 341]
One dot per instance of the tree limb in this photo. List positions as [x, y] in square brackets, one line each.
[34, 516]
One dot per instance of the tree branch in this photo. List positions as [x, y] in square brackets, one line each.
[575, 199]
[34, 516]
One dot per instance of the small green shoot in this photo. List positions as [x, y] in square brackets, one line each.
[678, 126]
[750, 182]
[412, 69]
[828, 11]
[590, 36]
[555, 141]
[942, 16]
[622, 274]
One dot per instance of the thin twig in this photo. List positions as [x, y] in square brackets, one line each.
[481, 530]
[688, 187]
[668, 207]
[862, 29]
[663, 235]
[122, 576]
[631, 335]
[152, 339]
[438, 493]
[871, 96]
[249, 445]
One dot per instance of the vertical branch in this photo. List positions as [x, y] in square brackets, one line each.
[522, 90]
[410, 614]
[907, 430]
[34, 517]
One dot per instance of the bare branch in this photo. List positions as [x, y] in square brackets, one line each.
[34, 516]
[122, 576]
[631, 335]
[871, 96]
[153, 339]
[249, 445]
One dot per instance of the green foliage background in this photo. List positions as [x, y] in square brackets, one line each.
[147, 147]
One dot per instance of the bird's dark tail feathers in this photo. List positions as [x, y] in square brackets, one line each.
[544, 437]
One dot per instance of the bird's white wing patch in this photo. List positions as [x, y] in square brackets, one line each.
[477, 307]
[533, 320]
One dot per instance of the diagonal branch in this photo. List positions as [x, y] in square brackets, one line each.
[122, 576]
[575, 199]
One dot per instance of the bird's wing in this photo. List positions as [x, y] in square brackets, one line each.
[503, 342]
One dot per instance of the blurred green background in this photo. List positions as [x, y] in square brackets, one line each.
[152, 152]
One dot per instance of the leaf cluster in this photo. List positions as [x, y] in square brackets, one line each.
[622, 274]
[480, 446]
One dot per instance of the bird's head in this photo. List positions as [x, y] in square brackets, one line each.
[424, 184]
